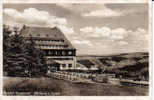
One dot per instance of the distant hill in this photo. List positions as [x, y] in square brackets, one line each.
[127, 64]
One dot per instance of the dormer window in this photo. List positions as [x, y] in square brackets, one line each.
[65, 46]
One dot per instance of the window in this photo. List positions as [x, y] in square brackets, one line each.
[49, 52]
[55, 52]
[69, 65]
[62, 40]
[38, 34]
[70, 52]
[63, 53]
[63, 65]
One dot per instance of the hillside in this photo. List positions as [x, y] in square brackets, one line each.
[132, 65]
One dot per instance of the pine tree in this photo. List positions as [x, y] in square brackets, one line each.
[6, 46]
[36, 61]
[21, 57]
[16, 57]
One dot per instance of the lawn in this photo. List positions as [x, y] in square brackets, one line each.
[50, 86]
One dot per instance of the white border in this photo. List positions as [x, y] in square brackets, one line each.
[76, 1]
[1, 46]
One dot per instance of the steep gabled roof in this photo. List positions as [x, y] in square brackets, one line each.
[46, 33]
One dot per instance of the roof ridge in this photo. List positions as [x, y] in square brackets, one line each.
[37, 26]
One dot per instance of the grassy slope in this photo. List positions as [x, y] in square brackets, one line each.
[68, 88]
[134, 64]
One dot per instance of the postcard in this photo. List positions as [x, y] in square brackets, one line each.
[77, 49]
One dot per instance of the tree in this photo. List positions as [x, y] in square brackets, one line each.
[20, 55]
[13, 52]
[36, 62]
[6, 46]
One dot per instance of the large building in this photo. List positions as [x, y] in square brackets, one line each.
[59, 52]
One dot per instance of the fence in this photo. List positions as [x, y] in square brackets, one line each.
[71, 76]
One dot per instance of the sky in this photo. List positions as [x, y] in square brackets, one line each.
[94, 29]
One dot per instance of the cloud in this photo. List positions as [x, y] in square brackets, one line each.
[118, 34]
[67, 30]
[96, 32]
[140, 36]
[104, 32]
[108, 10]
[117, 39]
[82, 42]
[122, 43]
[140, 31]
[87, 29]
[33, 16]
[105, 12]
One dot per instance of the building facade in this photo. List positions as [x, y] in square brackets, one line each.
[59, 52]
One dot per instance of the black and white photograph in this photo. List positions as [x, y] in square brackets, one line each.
[76, 49]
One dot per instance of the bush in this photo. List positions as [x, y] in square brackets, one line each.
[105, 79]
[101, 79]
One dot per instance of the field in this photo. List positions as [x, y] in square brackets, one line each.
[50, 86]
[130, 65]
